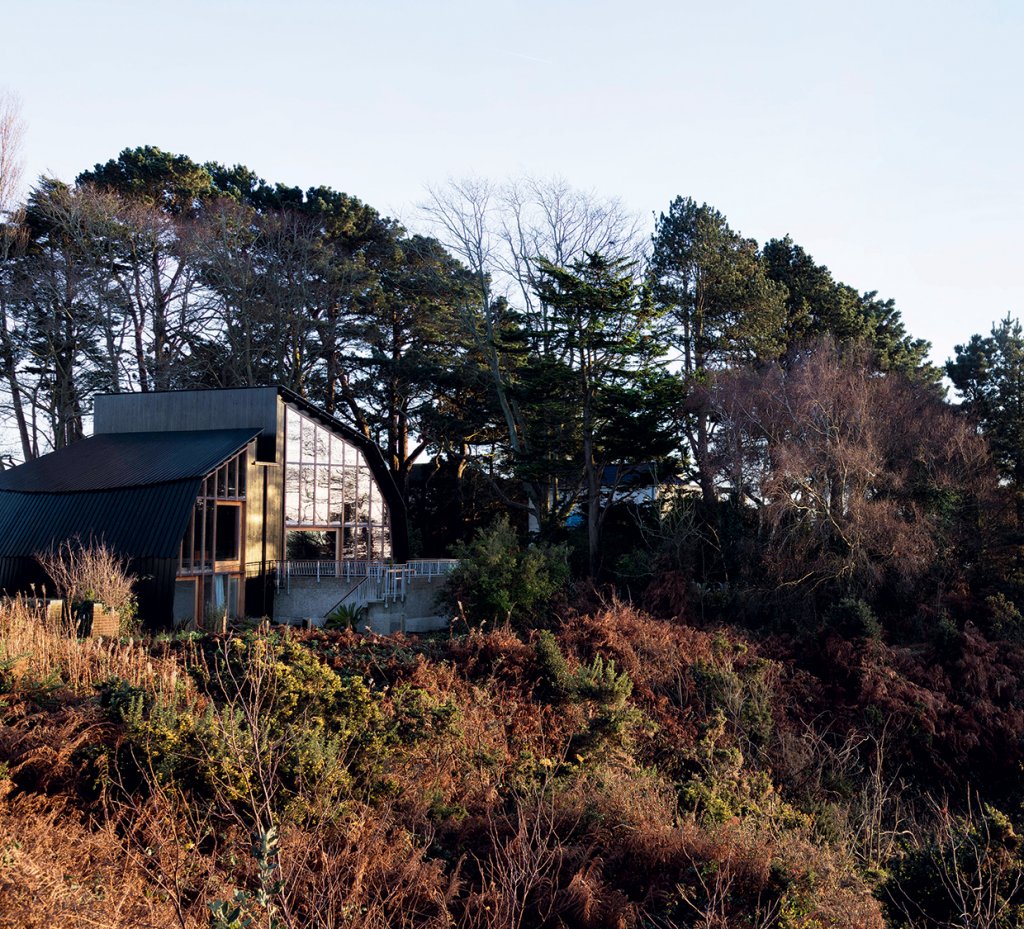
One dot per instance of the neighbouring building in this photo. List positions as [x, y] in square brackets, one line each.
[215, 496]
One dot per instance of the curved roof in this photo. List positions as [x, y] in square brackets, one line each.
[127, 459]
[132, 490]
[139, 522]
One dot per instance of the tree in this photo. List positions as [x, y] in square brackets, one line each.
[713, 285]
[173, 184]
[12, 236]
[402, 343]
[501, 233]
[59, 309]
[859, 478]
[817, 305]
[988, 372]
[600, 340]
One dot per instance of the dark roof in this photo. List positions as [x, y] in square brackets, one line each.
[127, 459]
[642, 474]
[132, 490]
[138, 522]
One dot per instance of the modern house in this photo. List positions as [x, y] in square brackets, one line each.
[214, 496]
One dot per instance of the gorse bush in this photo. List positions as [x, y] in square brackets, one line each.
[270, 708]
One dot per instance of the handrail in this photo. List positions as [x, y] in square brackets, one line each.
[350, 570]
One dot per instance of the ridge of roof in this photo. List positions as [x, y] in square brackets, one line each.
[112, 461]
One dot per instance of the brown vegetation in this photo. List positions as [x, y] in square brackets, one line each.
[627, 771]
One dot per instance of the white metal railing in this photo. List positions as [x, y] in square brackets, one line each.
[382, 580]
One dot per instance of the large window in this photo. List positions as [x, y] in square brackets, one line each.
[214, 532]
[210, 562]
[328, 485]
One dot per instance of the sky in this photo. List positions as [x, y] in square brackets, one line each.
[884, 137]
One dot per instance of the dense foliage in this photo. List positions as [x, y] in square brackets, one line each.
[616, 770]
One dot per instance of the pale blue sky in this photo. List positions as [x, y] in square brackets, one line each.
[885, 137]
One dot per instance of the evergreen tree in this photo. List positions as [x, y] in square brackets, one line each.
[819, 306]
[713, 285]
[600, 345]
[988, 371]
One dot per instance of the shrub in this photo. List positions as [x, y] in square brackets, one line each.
[92, 573]
[1006, 621]
[970, 874]
[345, 616]
[853, 618]
[551, 663]
[498, 580]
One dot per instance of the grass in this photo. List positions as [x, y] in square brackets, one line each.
[41, 648]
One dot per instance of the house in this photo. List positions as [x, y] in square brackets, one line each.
[219, 499]
[636, 485]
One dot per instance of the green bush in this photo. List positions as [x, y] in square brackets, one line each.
[1005, 621]
[556, 678]
[853, 618]
[971, 873]
[499, 580]
[345, 616]
[267, 700]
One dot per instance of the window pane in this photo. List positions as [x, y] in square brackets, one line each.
[291, 493]
[293, 422]
[363, 496]
[356, 543]
[208, 522]
[310, 440]
[228, 534]
[233, 596]
[376, 508]
[321, 443]
[311, 545]
[322, 495]
[306, 497]
[336, 480]
[184, 609]
[337, 451]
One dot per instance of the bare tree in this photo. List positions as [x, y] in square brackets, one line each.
[12, 138]
[504, 233]
[842, 463]
[549, 218]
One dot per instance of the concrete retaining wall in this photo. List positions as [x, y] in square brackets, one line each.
[419, 612]
[309, 600]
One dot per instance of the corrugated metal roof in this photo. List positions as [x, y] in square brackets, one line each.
[127, 459]
[135, 521]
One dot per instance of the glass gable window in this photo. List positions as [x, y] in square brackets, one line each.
[329, 485]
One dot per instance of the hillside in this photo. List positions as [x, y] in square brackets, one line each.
[618, 770]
